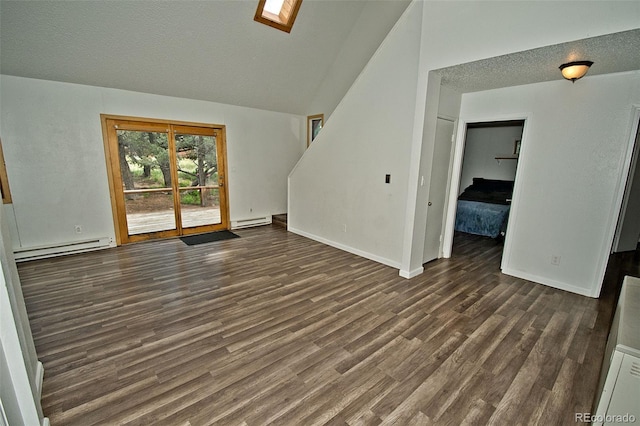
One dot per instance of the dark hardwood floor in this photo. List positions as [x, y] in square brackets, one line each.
[273, 328]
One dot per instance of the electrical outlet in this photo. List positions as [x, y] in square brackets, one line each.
[78, 229]
[555, 259]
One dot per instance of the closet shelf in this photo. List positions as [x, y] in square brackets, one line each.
[499, 158]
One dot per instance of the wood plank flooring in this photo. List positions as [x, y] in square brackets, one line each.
[273, 328]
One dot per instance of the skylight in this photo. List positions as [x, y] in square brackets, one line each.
[273, 6]
[278, 14]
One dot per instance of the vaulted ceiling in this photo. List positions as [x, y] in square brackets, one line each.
[213, 50]
[208, 50]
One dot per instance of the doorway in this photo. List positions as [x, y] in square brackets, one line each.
[166, 178]
[484, 175]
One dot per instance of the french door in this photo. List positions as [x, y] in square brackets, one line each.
[166, 178]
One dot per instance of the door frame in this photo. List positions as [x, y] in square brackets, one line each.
[633, 160]
[443, 213]
[122, 236]
[456, 174]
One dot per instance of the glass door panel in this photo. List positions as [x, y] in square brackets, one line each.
[197, 158]
[145, 168]
[166, 179]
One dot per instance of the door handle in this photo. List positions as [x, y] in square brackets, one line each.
[429, 204]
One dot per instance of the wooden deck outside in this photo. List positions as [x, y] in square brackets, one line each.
[141, 223]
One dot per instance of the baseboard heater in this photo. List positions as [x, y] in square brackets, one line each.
[33, 253]
[247, 223]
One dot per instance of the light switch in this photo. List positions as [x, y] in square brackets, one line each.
[387, 179]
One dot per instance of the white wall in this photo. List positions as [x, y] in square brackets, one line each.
[55, 159]
[458, 32]
[482, 146]
[570, 170]
[340, 181]
[390, 95]
[20, 371]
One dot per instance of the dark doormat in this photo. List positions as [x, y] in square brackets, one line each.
[192, 240]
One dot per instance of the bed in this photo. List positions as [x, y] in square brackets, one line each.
[483, 207]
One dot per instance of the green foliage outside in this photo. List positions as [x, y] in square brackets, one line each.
[144, 163]
[190, 197]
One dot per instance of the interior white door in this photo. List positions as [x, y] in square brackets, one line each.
[438, 189]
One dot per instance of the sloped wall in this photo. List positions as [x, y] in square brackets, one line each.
[355, 52]
[386, 121]
[337, 192]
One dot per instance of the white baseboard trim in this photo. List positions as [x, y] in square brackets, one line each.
[548, 282]
[357, 252]
[248, 223]
[39, 382]
[23, 254]
[411, 274]
[39, 379]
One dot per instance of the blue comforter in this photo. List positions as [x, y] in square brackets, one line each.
[480, 218]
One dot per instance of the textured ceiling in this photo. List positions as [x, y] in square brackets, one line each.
[208, 50]
[213, 50]
[617, 52]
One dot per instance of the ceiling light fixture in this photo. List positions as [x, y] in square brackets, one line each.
[575, 70]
